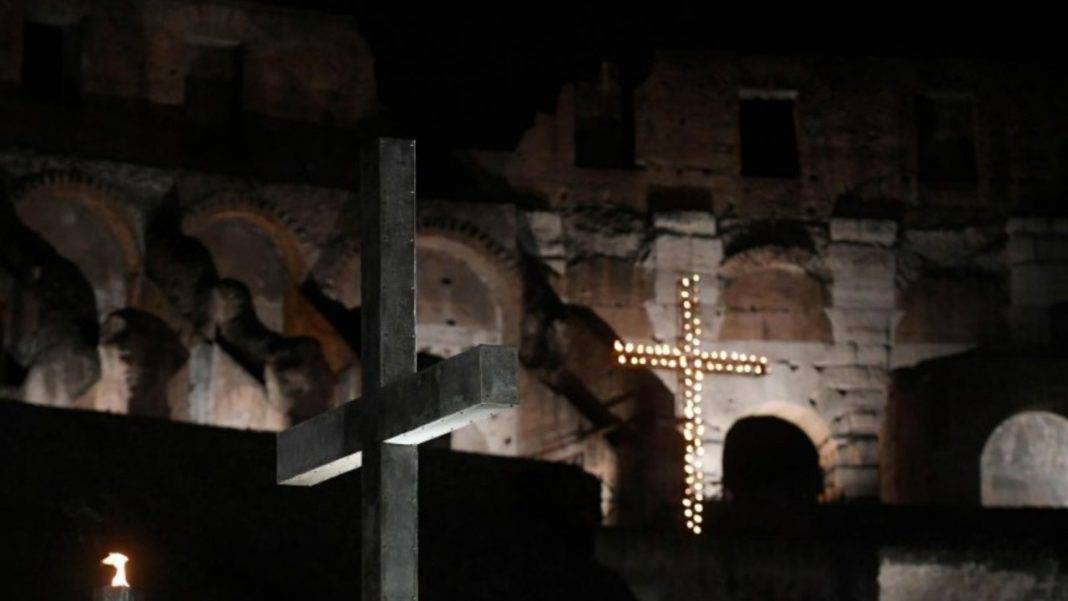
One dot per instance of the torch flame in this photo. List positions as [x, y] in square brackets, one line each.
[118, 561]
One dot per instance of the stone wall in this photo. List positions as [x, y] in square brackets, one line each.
[922, 221]
[939, 443]
[148, 50]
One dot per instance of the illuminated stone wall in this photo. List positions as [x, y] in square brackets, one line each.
[886, 248]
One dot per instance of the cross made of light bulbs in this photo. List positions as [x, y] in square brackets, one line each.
[690, 364]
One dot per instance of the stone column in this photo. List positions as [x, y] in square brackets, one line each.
[855, 376]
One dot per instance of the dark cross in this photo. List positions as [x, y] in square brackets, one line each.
[400, 408]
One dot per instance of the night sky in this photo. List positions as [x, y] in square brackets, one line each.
[476, 78]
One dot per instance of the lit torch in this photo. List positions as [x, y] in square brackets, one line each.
[118, 561]
[119, 590]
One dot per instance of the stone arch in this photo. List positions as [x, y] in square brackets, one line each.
[813, 426]
[491, 268]
[254, 241]
[87, 222]
[484, 259]
[773, 293]
[1025, 462]
[768, 460]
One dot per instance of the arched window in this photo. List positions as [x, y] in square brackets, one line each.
[1025, 462]
[768, 460]
[87, 225]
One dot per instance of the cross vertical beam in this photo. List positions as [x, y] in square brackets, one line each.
[690, 365]
[390, 542]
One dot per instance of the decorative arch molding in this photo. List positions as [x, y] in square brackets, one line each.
[814, 426]
[101, 200]
[774, 293]
[472, 236]
[792, 259]
[497, 265]
[287, 234]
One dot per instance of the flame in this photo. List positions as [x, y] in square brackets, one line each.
[118, 561]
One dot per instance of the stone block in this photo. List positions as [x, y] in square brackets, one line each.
[851, 353]
[861, 326]
[859, 422]
[672, 252]
[544, 238]
[856, 482]
[685, 223]
[858, 452]
[684, 253]
[863, 276]
[881, 232]
[952, 247]
[706, 254]
[222, 393]
[862, 399]
[909, 575]
[855, 378]
[664, 319]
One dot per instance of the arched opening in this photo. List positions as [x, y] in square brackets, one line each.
[1025, 462]
[85, 225]
[769, 461]
[245, 252]
[457, 308]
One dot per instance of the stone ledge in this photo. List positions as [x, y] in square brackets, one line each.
[686, 223]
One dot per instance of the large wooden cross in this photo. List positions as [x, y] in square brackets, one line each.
[399, 408]
[690, 365]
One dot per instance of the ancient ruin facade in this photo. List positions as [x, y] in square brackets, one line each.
[856, 220]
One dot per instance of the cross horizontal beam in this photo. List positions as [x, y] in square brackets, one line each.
[411, 410]
[664, 356]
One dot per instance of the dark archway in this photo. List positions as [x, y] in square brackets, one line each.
[767, 460]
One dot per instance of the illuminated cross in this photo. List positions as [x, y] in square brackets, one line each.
[690, 364]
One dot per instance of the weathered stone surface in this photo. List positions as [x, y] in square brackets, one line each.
[864, 231]
[685, 223]
[546, 238]
[774, 304]
[957, 310]
[1025, 462]
[52, 327]
[957, 576]
[222, 393]
[863, 276]
[855, 378]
